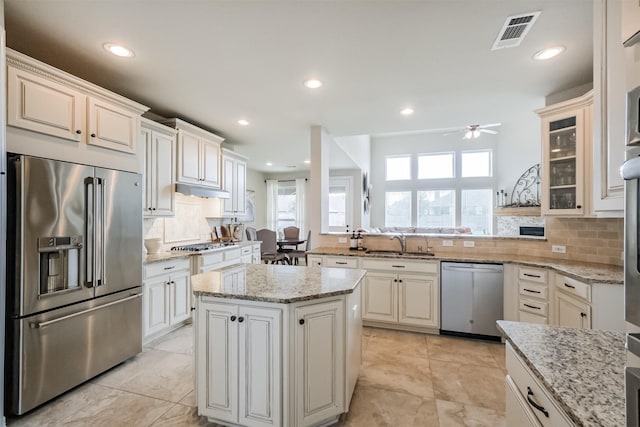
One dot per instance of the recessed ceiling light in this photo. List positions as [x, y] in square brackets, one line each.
[269, 164]
[243, 122]
[548, 53]
[406, 111]
[118, 50]
[307, 161]
[312, 83]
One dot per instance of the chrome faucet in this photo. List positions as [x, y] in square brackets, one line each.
[403, 241]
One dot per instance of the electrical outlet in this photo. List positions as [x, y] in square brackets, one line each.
[469, 244]
[447, 243]
[559, 249]
[342, 240]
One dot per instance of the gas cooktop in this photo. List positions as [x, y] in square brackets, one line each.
[200, 247]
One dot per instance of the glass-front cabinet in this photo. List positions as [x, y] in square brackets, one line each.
[566, 129]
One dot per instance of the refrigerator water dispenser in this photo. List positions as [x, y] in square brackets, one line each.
[59, 263]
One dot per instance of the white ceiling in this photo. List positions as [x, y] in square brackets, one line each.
[214, 62]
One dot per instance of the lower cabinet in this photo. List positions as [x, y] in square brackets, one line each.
[407, 298]
[240, 351]
[166, 297]
[571, 312]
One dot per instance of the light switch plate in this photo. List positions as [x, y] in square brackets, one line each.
[342, 240]
[559, 249]
[469, 244]
[447, 243]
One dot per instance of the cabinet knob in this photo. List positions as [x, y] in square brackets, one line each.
[233, 318]
[301, 321]
[79, 132]
[583, 314]
[579, 207]
[240, 319]
[93, 135]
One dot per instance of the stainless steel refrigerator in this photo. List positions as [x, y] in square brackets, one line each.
[74, 275]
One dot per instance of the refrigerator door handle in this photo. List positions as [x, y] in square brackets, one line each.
[102, 182]
[90, 200]
[40, 325]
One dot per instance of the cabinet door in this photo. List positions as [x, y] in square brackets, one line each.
[240, 187]
[418, 296]
[314, 261]
[319, 362]
[259, 367]
[218, 357]
[149, 171]
[156, 305]
[380, 297]
[518, 412]
[180, 297]
[228, 166]
[571, 312]
[110, 126]
[210, 163]
[41, 105]
[188, 170]
[163, 165]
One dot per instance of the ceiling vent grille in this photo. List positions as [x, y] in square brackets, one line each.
[514, 29]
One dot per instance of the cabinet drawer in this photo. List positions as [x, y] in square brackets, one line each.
[534, 290]
[525, 316]
[532, 306]
[245, 250]
[400, 265]
[212, 258]
[573, 287]
[256, 249]
[342, 262]
[232, 254]
[534, 393]
[165, 267]
[532, 275]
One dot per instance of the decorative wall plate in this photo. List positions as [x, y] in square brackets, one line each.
[365, 183]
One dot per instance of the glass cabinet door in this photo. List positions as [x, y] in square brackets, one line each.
[562, 164]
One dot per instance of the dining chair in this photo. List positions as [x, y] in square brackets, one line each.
[296, 254]
[269, 248]
[251, 233]
[290, 233]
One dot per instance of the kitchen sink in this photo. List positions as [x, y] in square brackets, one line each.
[397, 253]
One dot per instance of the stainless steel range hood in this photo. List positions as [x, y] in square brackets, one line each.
[196, 190]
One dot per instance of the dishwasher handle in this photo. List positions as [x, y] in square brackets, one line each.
[475, 268]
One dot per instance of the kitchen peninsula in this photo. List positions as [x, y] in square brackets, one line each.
[277, 345]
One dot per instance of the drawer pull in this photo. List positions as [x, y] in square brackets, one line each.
[341, 263]
[537, 276]
[169, 268]
[583, 314]
[532, 306]
[397, 266]
[534, 404]
[531, 290]
[569, 286]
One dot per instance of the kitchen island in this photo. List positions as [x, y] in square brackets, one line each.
[563, 376]
[277, 345]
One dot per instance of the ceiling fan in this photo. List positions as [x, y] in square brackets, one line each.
[474, 131]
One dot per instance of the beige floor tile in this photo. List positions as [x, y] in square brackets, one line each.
[469, 384]
[374, 407]
[397, 372]
[189, 399]
[498, 352]
[404, 346]
[95, 405]
[178, 341]
[183, 416]
[453, 414]
[159, 374]
[460, 350]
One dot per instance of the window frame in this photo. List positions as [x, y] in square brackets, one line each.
[348, 182]
[411, 169]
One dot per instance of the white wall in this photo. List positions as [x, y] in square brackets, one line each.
[255, 182]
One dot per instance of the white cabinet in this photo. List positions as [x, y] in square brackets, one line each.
[319, 362]
[198, 155]
[630, 22]
[160, 142]
[566, 156]
[166, 296]
[257, 254]
[401, 293]
[572, 312]
[314, 260]
[533, 295]
[234, 180]
[60, 108]
[239, 348]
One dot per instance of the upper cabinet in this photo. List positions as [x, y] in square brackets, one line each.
[630, 22]
[198, 155]
[61, 108]
[234, 180]
[160, 143]
[566, 156]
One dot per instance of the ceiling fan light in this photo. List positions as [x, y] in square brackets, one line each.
[475, 133]
[468, 135]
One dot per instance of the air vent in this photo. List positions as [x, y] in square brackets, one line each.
[514, 30]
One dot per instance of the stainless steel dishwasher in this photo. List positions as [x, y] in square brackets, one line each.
[471, 299]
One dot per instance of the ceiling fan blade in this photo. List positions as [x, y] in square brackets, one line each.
[453, 133]
[492, 125]
[488, 131]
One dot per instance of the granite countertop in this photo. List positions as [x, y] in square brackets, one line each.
[585, 272]
[582, 369]
[276, 283]
[167, 255]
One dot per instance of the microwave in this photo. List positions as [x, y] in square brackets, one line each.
[633, 117]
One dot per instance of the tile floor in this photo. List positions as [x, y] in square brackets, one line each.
[406, 380]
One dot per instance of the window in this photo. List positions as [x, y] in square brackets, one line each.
[433, 166]
[397, 209]
[340, 203]
[398, 168]
[286, 205]
[477, 211]
[476, 163]
[437, 208]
